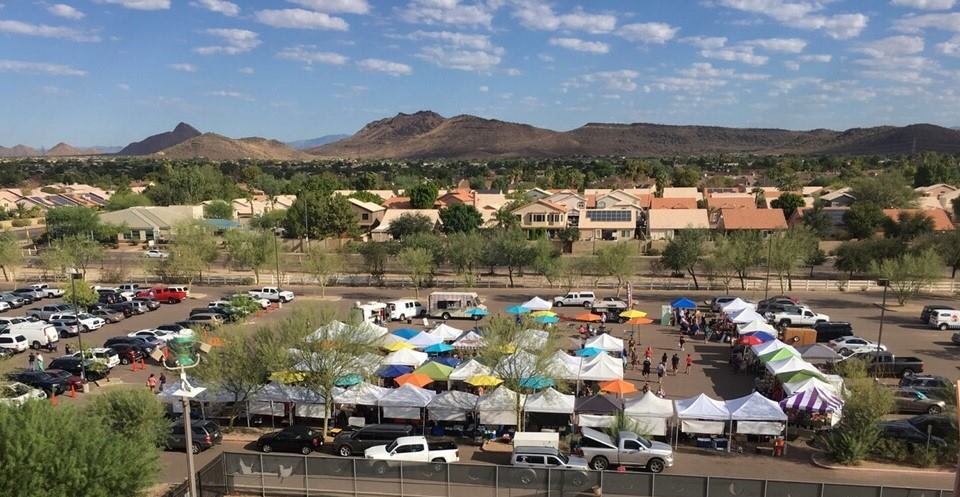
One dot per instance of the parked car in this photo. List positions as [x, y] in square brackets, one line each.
[92, 371]
[903, 431]
[928, 310]
[403, 309]
[775, 307]
[205, 434]
[415, 448]
[162, 335]
[717, 303]
[14, 343]
[944, 319]
[49, 291]
[105, 355]
[169, 295]
[853, 345]
[38, 333]
[546, 458]
[908, 400]
[226, 314]
[887, 364]
[138, 307]
[16, 394]
[832, 330]
[48, 380]
[176, 328]
[129, 288]
[939, 425]
[7, 321]
[780, 299]
[272, 294]
[202, 321]
[145, 345]
[66, 330]
[108, 315]
[124, 307]
[264, 303]
[155, 254]
[14, 300]
[937, 387]
[580, 299]
[798, 316]
[126, 352]
[629, 449]
[87, 322]
[4, 306]
[350, 442]
[44, 312]
[31, 292]
[296, 438]
[610, 305]
[151, 303]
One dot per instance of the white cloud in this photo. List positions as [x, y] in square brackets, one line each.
[301, 19]
[707, 42]
[736, 54]
[513, 71]
[460, 40]
[545, 57]
[246, 70]
[123, 87]
[230, 94]
[536, 14]
[385, 66]
[580, 45]
[484, 89]
[803, 15]
[45, 31]
[892, 46]
[624, 80]
[66, 11]
[707, 70]
[949, 21]
[235, 41]
[950, 47]
[336, 6]
[464, 60]
[648, 32]
[24, 67]
[791, 65]
[816, 58]
[901, 68]
[224, 7]
[183, 67]
[446, 12]
[308, 54]
[689, 85]
[925, 4]
[140, 4]
[785, 45]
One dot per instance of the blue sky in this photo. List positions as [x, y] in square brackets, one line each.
[106, 72]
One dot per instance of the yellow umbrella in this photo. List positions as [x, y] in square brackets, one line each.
[541, 314]
[632, 313]
[395, 346]
[287, 377]
[484, 380]
[508, 349]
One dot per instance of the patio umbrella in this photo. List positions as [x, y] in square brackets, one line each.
[438, 348]
[588, 352]
[476, 312]
[395, 346]
[541, 314]
[392, 371]
[536, 382]
[517, 309]
[588, 317]
[287, 377]
[447, 361]
[636, 321]
[348, 380]
[547, 319]
[435, 370]
[749, 340]
[484, 380]
[618, 387]
[406, 333]
[683, 303]
[632, 313]
[415, 379]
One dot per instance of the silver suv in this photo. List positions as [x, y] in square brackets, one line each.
[534, 458]
[581, 299]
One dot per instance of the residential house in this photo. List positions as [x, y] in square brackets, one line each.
[838, 198]
[368, 213]
[719, 201]
[538, 193]
[542, 215]
[397, 202]
[489, 204]
[935, 191]
[459, 196]
[665, 223]
[151, 222]
[682, 192]
[608, 224]
[617, 199]
[941, 221]
[381, 231]
[673, 203]
[765, 220]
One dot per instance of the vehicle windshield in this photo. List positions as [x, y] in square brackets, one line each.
[393, 445]
[644, 442]
[564, 459]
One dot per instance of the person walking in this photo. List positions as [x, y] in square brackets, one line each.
[683, 340]
[661, 370]
[163, 382]
[32, 361]
[152, 383]
[40, 366]
[689, 363]
[649, 353]
[663, 358]
[675, 363]
[646, 367]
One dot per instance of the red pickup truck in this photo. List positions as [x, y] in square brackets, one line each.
[164, 294]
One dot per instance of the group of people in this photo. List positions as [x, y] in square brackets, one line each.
[35, 361]
[154, 384]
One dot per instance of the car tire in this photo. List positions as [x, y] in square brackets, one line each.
[124, 361]
[84, 328]
[266, 448]
[403, 317]
[380, 468]
[195, 448]
[844, 351]
[445, 316]
[934, 410]
[35, 345]
[306, 450]
[784, 323]
[527, 477]
[906, 372]
[344, 451]
[599, 463]
[588, 304]
[558, 303]
[655, 465]
[943, 327]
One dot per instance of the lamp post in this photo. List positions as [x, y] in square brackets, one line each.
[306, 221]
[883, 310]
[766, 284]
[276, 251]
[74, 276]
[185, 358]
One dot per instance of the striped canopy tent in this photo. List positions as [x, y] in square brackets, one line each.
[813, 400]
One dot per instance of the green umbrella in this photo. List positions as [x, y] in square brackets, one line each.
[793, 376]
[435, 370]
[348, 380]
[778, 355]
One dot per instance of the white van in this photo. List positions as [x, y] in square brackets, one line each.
[402, 309]
[943, 319]
[38, 333]
[372, 311]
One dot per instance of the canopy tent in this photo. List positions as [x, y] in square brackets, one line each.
[386, 341]
[468, 369]
[763, 348]
[393, 371]
[405, 357]
[438, 348]
[818, 352]
[650, 413]
[208, 395]
[795, 376]
[405, 333]
[335, 328]
[435, 370]
[537, 304]
[602, 367]
[587, 352]
[813, 400]
[683, 303]
[533, 339]
[598, 411]
[520, 364]
[269, 401]
[517, 309]
[757, 415]
[745, 316]
[445, 332]
[807, 384]
[736, 305]
[405, 402]
[790, 365]
[363, 394]
[452, 405]
[469, 340]
[449, 361]
[550, 401]
[499, 407]
[606, 342]
[423, 340]
[783, 353]
[701, 414]
[761, 336]
[757, 325]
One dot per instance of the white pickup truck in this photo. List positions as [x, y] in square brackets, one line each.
[412, 449]
[272, 293]
[799, 316]
[49, 291]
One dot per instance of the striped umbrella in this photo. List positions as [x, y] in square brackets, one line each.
[813, 400]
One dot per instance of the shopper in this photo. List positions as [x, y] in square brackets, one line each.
[646, 367]
[661, 370]
[683, 340]
[689, 363]
[675, 363]
[152, 383]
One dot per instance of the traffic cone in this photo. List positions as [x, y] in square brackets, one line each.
[73, 391]
[143, 365]
[53, 397]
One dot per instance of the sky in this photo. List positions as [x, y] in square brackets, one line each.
[107, 72]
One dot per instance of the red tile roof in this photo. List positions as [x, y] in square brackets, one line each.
[941, 221]
[673, 203]
[397, 203]
[731, 203]
[753, 219]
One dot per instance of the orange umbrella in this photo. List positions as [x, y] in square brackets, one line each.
[618, 386]
[588, 317]
[639, 321]
[416, 379]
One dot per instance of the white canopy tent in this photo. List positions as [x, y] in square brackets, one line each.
[650, 412]
[565, 366]
[446, 332]
[468, 369]
[745, 316]
[605, 342]
[362, 394]
[405, 357]
[701, 414]
[757, 325]
[550, 401]
[533, 339]
[601, 367]
[499, 407]
[405, 402]
[771, 346]
[736, 305]
[423, 340]
[335, 328]
[469, 340]
[757, 415]
[309, 404]
[834, 386]
[520, 364]
[790, 365]
[452, 405]
[537, 304]
[390, 339]
[208, 395]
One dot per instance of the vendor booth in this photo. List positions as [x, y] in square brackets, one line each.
[499, 407]
[468, 369]
[549, 408]
[755, 414]
[452, 406]
[406, 402]
[606, 343]
[598, 411]
[651, 413]
[446, 333]
[702, 415]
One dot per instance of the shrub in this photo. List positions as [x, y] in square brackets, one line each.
[21, 223]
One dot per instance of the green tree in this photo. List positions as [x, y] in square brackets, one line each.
[505, 218]
[789, 202]
[546, 260]
[11, 257]
[409, 224]
[418, 264]
[433, 244]
[321, 217]
[948, 245]
[218, 209]
[125, 199]
[857, 256]
[366, 196]
[510, 249]
[465, 253]
[423, 195]
[908, 226]
[759, 197]
[72, 221]
[748, 253]
[815, 258]
[685, 176]
[322, 264]
[254, 250]
[909, 273]
[863, 219]
[269, 220]
[865, 404]
[818, 221]
[374, 255]
[459, 218]
[85, 294]
[77, 252]
[685, 252]
[887, 191]
[190, 185]
[931, 171]
[722, 261]
[617, 260]
[788, 251]
[136, 415]
[366, 181]
[193, 249]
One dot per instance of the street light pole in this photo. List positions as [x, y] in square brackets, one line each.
[276, 252]
[183, 359]
[74, 276]
[883, 310]
[766, 285]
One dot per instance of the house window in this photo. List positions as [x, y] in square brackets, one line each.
[537, 218]
[625, 234]
[554, 218]
[365, 216]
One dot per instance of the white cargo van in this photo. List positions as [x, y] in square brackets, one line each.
[943, 319]
[38, 333]
[402, 309]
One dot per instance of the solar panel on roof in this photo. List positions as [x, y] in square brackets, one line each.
[610, 215]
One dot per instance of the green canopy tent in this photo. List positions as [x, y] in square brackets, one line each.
[779, 355]
[435, 370]
[795, 376]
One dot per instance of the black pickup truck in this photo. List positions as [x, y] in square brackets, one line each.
[886, 364]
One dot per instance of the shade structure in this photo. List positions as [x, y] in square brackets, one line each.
[422, 340]
[736, 305]
[540, 314]
[363, 394]
[335, 328]
[415, 379]
[390, 339]
[757, 325]
[702, 407]
[401, 345]
[813, 400]
[756, 415]
[817, 352]
[587, 352]
[605, 342]
[650, 412]
[477, 312]
[683, 303]
[537, 304]
[790, 365]
[469, 369]
[536, 382]
[550, 401]
[763, 336]
[438, 348]
[448, 361]
[499, 407]
[807, 384]
[517, 309]
[602, 367]
[533, 339]
[745, 316]
[547, 319]
[446, 332]
[588, 317]
[633, 313]
[637, 321]
[795, 376]
[405, 402]
[759, 350]
[780, 354]
[405, 333]
[749, 340]
[469, 340]
[406, 357]
[348, 380]
[484, 380]
[619, 387]
[598, 404]
[435, 371]
[308, 403]
[393, 371]
[452, 405]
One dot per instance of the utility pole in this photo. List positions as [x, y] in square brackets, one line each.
[885, 283]
[74, 276]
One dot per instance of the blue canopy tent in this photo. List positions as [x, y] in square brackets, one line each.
[476, 312]
[393, 370]
[547, 319]
[438, 348]
[536, 382]
[683, 303]
[348, 380]
[406, 333]
[588, 352]
[763, 336]
[449, 361]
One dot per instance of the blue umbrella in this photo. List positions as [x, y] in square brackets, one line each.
[761, 335]
[392, 371]
[476, 312]
[517, 309]
[438, 348]
[536, 382]
[406, 333]
[547, 319]
[449, 361]
[683, 303]
[348, 380]
[588, 352]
